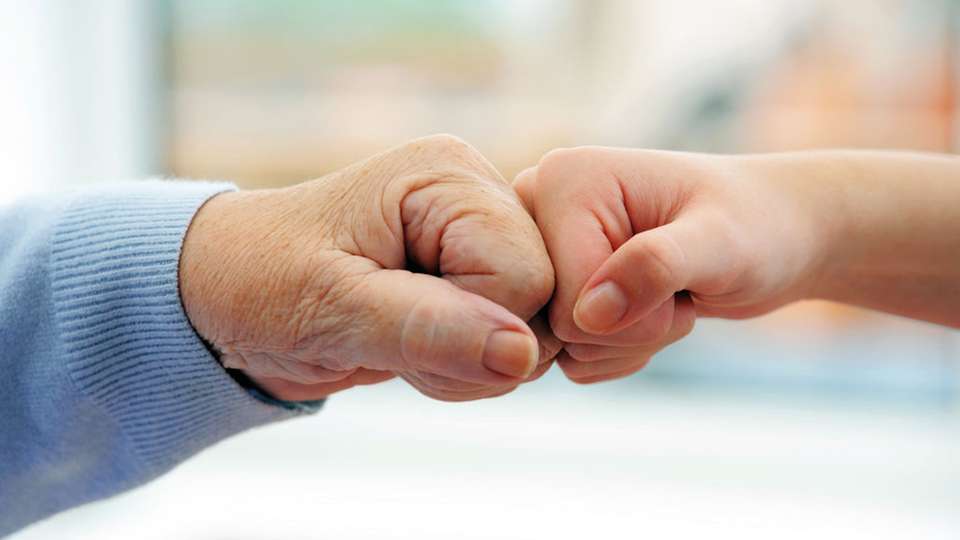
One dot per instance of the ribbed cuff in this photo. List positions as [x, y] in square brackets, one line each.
[130, 346]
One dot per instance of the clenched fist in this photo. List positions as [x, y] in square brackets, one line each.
[420, 262]
[644, 241]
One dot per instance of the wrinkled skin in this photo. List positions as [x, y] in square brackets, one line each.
[401, 264]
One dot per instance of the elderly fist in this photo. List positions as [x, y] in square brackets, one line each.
[420, 262]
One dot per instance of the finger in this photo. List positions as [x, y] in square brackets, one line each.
[581, 221]
[455, 396]
[598, 353]
[415, 322]
[607, 376]
[684, 318]
[586, 364]
[576, 370]
[549, 344]
[453, 390]
[648, 330]
[541, 370]
[468, 225]
[648, 270]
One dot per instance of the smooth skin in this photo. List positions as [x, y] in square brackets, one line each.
[420, 262]
[643, 242]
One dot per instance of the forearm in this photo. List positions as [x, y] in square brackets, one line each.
[889, 224]
[105, 383]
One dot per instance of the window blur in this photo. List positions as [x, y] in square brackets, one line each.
[815, 420]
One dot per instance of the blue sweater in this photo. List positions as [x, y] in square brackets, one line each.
[104, 385]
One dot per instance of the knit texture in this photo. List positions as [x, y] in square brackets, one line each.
[109, 384]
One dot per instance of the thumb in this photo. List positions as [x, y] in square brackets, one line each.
[418, 322]
[648, 270]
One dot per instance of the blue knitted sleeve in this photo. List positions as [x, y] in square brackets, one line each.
[103, 382]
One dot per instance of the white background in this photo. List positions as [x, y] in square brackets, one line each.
[556, 461]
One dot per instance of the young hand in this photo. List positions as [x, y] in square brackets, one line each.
[643, 241]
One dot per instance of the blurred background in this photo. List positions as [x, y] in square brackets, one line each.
[815, 420]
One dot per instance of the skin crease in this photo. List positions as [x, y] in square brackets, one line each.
[644, 241]
[402, 264]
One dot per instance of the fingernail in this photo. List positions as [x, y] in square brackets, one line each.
[510, 353]
[601, 308]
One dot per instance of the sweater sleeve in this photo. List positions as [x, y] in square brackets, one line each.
[104, 384]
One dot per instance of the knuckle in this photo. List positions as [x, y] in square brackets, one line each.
[554, 158]
[554, 167]
[540, 284]
[565, 177]
[443, 154]
[450, 145]
[526, 276]
[564, 158]
[446, 140]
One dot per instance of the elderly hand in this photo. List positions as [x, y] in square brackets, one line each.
[420, 261]
[642, 241]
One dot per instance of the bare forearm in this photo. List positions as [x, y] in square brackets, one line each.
[891, 228]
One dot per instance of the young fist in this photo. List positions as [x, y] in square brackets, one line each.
[643, 241]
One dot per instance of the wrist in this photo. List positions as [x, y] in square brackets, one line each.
[201, 254]
[843, 208]
[803, 220]
[883, 226]
[832, 180]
